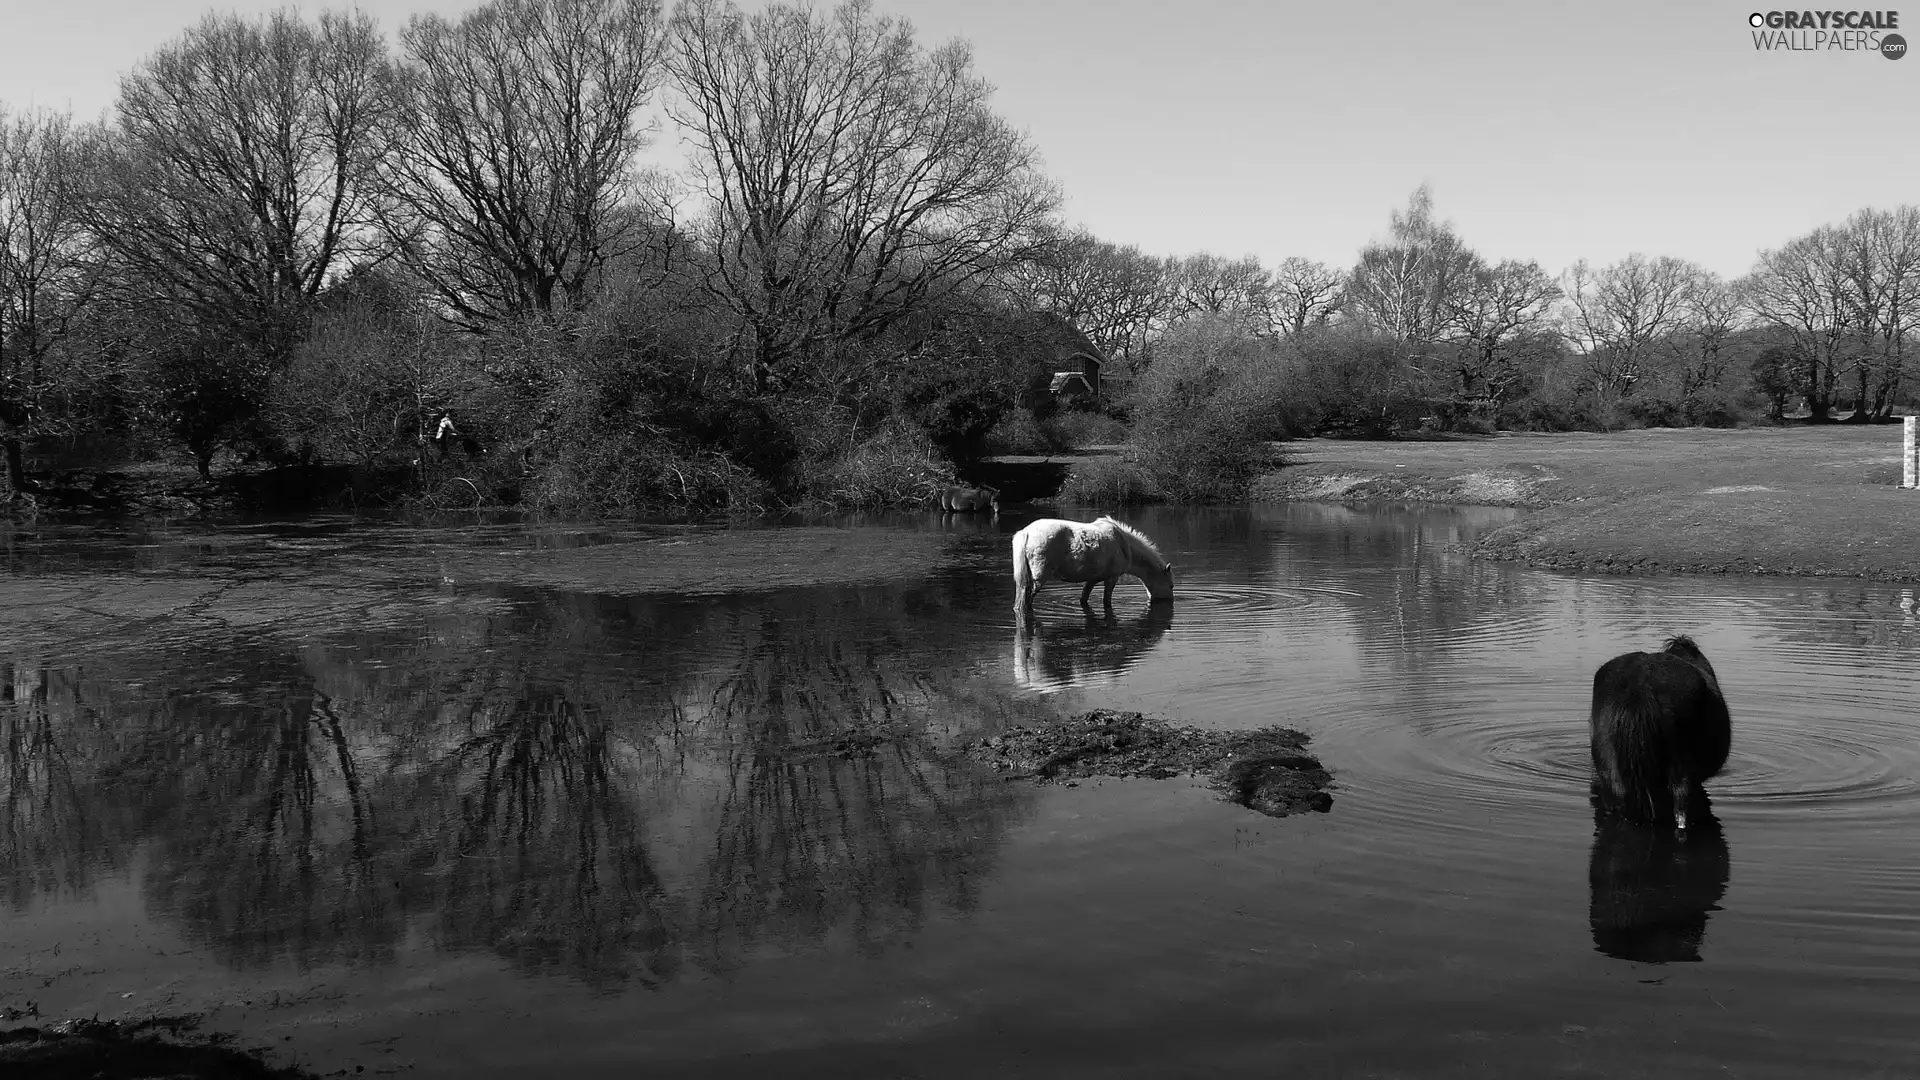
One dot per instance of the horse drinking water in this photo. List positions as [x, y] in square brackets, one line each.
[1660, 729]
[965, 500]
[1098, 553]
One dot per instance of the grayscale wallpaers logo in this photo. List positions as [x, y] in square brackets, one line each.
[1828, 31]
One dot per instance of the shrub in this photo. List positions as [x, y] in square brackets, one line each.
[1359, 383]
[1206, 407]
[1111, 481]
[1075, 429]
[1019, 433]
[641, 471]
[898, 466]
[627, 433]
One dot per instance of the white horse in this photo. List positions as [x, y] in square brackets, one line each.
[1099, 553]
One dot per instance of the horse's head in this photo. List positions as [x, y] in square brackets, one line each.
[1159, 583]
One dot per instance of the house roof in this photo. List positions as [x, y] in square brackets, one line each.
[1066, 340]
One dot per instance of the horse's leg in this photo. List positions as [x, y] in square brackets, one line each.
[1108, 598]
[1680, 784]
[1086, 594]
[1023, 584]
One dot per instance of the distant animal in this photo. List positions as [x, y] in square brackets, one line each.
[1659, 729]
[965, 499]
[1099, 553]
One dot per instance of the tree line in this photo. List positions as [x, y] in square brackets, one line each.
[293, 242]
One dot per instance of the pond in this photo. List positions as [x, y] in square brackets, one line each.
[517, 800]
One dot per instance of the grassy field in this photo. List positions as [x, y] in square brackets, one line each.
[1793, 500]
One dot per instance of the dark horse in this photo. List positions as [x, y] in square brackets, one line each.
[1660, 729]
[1653, 887]
[966, 500]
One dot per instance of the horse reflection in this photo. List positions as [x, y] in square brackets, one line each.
[968, 523]
[1653, 886]
[1050, 657]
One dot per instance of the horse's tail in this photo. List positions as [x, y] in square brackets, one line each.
[1022, 571]
[1631, 755]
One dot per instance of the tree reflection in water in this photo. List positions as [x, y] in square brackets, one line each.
[263, 840]
[613, 787]
[52, 841]
[815, 834]
[543, 858]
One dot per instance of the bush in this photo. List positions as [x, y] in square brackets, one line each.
[1110, 481]
[1358, 383]
[1019, 433]
[898, 466]
[625, 433]
[1206, 407]
[1076, 429]
[642, 472]
[1566, 398]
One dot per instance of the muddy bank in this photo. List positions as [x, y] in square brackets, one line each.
[169, 1047]
[1500, 486]
[1268, 770]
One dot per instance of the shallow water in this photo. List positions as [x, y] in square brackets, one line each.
[501, 800]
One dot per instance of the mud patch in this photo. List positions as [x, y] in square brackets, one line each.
[1268, 770]
[161, 1046]
[1492, 490]
[1497, 487]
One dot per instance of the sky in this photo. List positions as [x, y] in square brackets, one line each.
[1546, 130]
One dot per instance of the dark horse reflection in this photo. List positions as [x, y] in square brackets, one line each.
[1653, 885]
[1057, 655]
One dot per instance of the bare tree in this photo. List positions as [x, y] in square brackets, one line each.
[1214, 285]
[241, 180]
[513, 155]
[849, 174]
[1800, 290]
[47, 269]
[1712, 312]
[1618, 315]
[1879, 273]
[1412, 286]
[1497, 307]
[237, 183]
[1115, 295]
[1305, 294]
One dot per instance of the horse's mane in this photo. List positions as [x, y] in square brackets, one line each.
[1137, 536]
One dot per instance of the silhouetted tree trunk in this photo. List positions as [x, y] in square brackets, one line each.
[17, 479]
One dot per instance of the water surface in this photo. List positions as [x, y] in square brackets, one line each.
[503, 800]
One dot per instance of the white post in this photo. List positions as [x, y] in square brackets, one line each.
[1910, 453]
